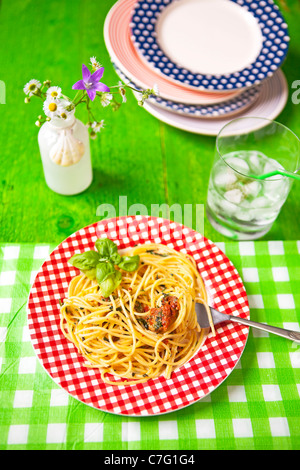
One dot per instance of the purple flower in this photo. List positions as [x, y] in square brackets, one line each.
[90, 82]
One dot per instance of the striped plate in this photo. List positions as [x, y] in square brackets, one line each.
[226, 108]
[272, 99]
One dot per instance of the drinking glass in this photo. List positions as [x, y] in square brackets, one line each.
[240, 206]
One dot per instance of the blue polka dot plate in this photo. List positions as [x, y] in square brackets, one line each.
[210, 45]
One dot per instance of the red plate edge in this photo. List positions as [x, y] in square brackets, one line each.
[194, 380]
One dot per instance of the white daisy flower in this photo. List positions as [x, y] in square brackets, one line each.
[54, 92]
[64, 114]
[31, 87]
[52, 108]
[97, 126]
[65, 108]
[105, 99]
[95, 64]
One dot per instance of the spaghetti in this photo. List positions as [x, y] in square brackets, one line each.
[147, 327]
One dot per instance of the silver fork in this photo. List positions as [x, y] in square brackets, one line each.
[219, 317]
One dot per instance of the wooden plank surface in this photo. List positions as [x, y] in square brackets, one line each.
[136, 156]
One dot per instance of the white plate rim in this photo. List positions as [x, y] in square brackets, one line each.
[185, 122]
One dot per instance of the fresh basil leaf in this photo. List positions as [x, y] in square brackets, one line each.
[129, 263]
[115, 258]
[90, 273]
[100, 264]
[110, 284]
[85, 260]
[104, 270]
[106, 248]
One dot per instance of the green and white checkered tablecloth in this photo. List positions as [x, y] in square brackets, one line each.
[257, 407]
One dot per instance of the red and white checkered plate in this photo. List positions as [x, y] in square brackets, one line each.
[191, 382]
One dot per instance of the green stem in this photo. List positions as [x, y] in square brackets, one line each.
[81, 98]
[39, 94]
[75, 97]
[89, 111]
[128, 86]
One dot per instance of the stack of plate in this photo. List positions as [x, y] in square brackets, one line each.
[212, 60]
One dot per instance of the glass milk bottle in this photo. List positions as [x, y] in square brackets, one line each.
[65, 152]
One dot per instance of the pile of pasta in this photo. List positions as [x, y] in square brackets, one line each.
[111, 333]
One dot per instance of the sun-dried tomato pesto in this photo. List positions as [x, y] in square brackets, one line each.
[159, 319]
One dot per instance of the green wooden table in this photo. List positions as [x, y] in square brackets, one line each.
[137, 156]
[148, 162]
